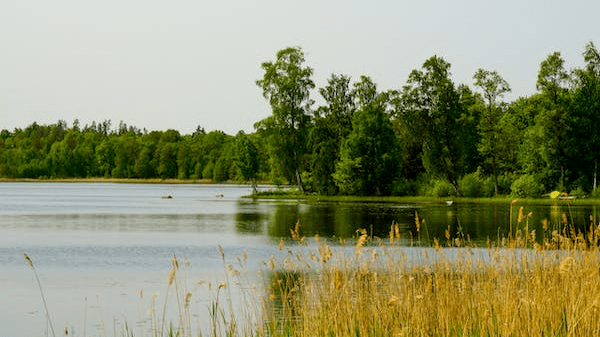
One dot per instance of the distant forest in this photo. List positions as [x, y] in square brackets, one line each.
[430, 137]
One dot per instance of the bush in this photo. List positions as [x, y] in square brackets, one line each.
[505, 182]
[475, 185]
[440, 188]
[578, 192]
[595, 193]
[405, 187]
[526, 186]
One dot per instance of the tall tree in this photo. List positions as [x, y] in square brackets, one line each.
[492, 86]
[287, 84]
[545, 150]
[246, 158]
[431, 107]
[370, 156]
[339, 105]
[586, 115]
[552, 77]
[332, 124]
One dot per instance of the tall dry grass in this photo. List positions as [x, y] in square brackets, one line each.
[528, 286]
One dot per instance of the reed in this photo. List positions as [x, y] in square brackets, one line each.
[48, 320]
[524, 288]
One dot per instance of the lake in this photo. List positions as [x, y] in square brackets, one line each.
[103, 251]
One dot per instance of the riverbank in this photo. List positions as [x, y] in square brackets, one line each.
[287, 194]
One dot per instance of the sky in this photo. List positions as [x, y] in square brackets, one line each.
[160, 65]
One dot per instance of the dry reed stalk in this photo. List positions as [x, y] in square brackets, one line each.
[30, 263]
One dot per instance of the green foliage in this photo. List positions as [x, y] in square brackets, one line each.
[332, 124]
[207, 172]
[56, 151]
[246, 158]
[578, 192]
[369, 161]
[439, 188]
[220, 173]
[491, 146]
[286, 84]
[405, 187]
[527, 186]
[432, 108]
[476, 185]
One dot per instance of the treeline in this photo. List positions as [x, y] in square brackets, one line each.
[96, 150]
[429, 137]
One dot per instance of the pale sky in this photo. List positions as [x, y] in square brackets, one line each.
[178, 64]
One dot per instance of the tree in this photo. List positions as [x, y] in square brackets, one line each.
[246, 158]
[332, 124]
[431, 108]
[340, 105]
[105, 157]
[493, 86]
[287, 84]
[586, 116]
[552, 77]
[370, 157]
[167, 159]
[551, 135]
[365, 93]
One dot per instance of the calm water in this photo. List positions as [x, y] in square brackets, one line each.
[96, 246]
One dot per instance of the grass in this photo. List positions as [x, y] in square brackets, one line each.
[291, 193]
[531, 284]
[386, 290]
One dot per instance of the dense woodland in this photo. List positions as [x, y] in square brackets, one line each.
[429, 137]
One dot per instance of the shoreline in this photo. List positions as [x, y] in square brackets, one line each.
[122, 181]
[313, 197]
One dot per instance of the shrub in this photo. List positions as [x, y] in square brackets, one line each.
[578, 192]
[475, 185]
[526, 186]
[405, 187]
[505, 182]
[440, 188]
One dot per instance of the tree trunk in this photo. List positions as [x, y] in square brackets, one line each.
[495, 175]
[299, 181]
[595, 174]
[254, 186]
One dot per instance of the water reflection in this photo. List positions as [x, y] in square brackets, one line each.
[250, 218]
[475, 221]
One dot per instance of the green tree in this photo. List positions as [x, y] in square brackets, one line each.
[167, 160]
[145, 166]
[370, 156]
[340, 105]
[185, 158]
[127, 150]
[286, 84]
[246, 159]
[492, 86]
[586, 117]
[547, 140]
[332, 124]
[105, 157]
[431, 107]
[552, 77]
